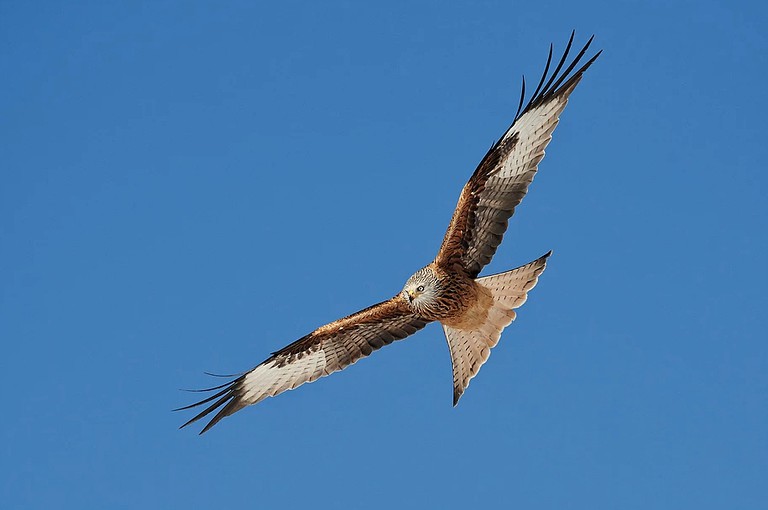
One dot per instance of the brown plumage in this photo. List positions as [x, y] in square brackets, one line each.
[473, 311]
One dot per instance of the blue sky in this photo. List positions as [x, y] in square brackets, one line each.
[189, 186]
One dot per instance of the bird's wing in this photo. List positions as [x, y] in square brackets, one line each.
[326, 350]
[502, 178]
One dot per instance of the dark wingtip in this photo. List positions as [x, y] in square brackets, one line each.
[203, 390]
[544, 74]
[557, 82]
[522, 99]
[208, 410]
[590, 61]
[227, 399]
[206, 400]
[223, 375]
[234, 405]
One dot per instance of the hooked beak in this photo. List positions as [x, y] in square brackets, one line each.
[409, 295]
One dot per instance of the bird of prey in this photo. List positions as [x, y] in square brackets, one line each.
[472, 310]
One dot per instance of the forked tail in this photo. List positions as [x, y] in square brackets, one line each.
[471, 348]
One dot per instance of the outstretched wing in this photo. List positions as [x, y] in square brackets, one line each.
[502, 178]
[326, 350]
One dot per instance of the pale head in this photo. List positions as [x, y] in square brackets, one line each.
[422, 288]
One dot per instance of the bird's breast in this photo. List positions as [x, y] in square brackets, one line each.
[473, 311]
[462, 303]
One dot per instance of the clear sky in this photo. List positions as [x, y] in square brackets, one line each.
[188, 186]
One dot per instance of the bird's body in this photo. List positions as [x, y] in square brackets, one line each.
[472, 310]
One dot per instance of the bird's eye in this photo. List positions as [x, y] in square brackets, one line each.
[420, 288]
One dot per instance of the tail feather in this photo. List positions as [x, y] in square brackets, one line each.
[471, 348]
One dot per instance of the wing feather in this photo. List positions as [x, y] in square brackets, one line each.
[501, 180]
[326, 350]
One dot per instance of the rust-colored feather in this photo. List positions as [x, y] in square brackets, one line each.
[473, 311]
[326, 350]
[501, 180]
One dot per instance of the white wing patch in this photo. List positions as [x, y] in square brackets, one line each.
[276, 376]
[328, 349]
[479, 222]
[502, 178]
[509, 182]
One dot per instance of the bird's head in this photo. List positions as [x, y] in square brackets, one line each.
[421, 288]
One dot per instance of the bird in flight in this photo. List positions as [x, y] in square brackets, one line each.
[472, 310]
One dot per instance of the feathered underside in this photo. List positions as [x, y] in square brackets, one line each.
[470, 348]
[502, 178]
[476, 229]
[326, 350]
